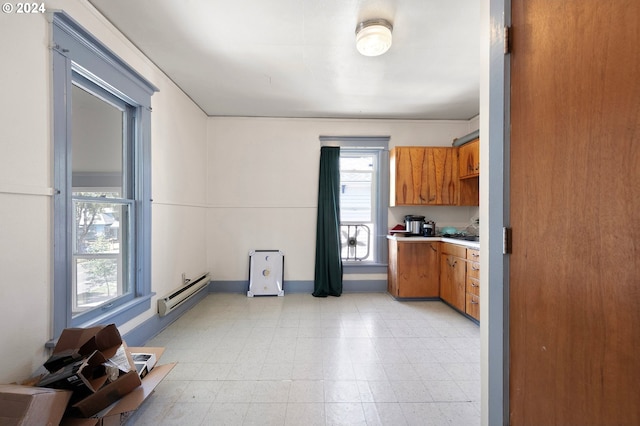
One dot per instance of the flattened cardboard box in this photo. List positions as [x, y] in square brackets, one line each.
[30, 405]
[120, 411]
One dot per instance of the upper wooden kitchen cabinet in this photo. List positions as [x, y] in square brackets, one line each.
[469, 159]
[469, 173]
[423, 176]
[413, 269]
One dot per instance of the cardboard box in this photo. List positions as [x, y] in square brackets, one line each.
[144, 362]
[28, 405]
[118, 412]
[92, 391]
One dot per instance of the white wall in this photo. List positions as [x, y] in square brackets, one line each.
[263, 180]
[179, 147]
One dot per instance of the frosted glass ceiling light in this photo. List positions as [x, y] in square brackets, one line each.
[373, 37]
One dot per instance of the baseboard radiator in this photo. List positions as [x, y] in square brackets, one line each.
[180, 295]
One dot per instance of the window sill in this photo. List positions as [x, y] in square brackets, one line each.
[364, 268]
[118, 315]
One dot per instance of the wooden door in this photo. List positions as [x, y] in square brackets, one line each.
[574, 319]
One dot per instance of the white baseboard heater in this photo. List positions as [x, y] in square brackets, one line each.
[175, 298]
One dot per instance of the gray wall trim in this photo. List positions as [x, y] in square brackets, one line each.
[467, 138]
[494, 212]
[348, 286]
[61, 292]
[356, 268]
[380, 142]
[90, 56]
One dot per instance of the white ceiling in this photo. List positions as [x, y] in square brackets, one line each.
[297, 58]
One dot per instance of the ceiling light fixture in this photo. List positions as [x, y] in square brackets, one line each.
[373, 37]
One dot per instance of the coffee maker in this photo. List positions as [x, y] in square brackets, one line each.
[429, 228]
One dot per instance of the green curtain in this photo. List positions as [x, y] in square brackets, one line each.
[328, 274]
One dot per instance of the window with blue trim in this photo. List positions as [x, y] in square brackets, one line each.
[102, 203]
[364, 189]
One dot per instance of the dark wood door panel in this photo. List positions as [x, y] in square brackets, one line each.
[575, 197]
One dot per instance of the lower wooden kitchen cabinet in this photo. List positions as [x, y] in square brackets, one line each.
[472, 306]
[433, 269]
[413, 269]
[453, 272]
[460, 278]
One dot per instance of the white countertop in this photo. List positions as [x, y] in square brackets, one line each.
[471, 244]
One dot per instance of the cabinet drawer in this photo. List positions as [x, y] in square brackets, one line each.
[473, 306]
[473, 269]
[473, 254]
[473, 285]
[453, 249]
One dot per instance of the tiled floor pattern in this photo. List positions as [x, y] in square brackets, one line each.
[360, 359]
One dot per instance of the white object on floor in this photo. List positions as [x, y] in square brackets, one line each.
[266, 273]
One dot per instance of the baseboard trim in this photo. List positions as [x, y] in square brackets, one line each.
[302, 286]
[150, 328]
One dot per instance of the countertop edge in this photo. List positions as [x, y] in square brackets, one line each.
[471, 244]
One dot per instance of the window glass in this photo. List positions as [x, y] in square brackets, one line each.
[102, 226]
[358, 204]
[98, 141]
[100, 261]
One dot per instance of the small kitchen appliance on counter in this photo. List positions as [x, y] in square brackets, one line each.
[429, 228]
[414, 224]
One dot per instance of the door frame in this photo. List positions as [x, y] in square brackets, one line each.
[494, 211]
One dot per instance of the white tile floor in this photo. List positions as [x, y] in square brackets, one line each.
[360, 359]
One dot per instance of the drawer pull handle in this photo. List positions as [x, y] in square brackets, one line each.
[473, 268]
[474, 285]
[473, 302]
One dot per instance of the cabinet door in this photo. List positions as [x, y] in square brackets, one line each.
[439, 177]
[417, 269]
[452, 281]
[423, 176]
[406, 175]
[469, 159]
